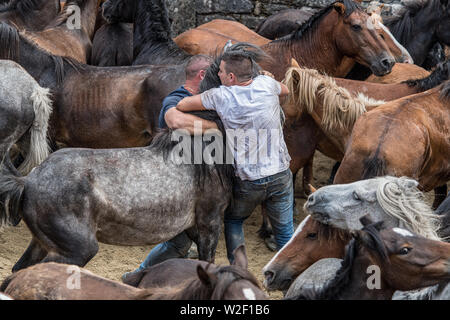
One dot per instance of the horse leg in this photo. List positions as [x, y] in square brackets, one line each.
[266, 229]
[440, 193]
[208, 225]
[333, 172]
[307, 177]
[34, 254]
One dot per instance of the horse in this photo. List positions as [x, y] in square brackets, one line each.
[132, 196]
[152, 42]
[112, 45]
[171, 272]
[420, 25]
[314, 240]
[400, 72]
[61, 39]
[95, 107]
[48, 281]
[405, 261]
[311, 242]
[284, 22]
[29, 14]
[422, 118]
[25, 108]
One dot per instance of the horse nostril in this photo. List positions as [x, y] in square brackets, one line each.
[387, 63]
[269, 275]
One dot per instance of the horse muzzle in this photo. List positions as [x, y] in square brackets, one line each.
[382, 66]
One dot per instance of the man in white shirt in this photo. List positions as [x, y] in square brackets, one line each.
[251, 113]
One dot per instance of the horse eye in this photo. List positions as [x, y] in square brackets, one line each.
[312, 236]
[356, 27]
[355, 196]
[382, 36]
[404, 250]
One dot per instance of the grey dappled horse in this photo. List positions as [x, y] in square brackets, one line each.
[135, 196]
[396, 201]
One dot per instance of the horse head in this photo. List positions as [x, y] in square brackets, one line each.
[357, 36]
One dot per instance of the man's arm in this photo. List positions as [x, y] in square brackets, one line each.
[176, 119]
[193, 103]
[284, 90]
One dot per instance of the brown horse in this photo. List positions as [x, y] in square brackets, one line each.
[174, 271]
[405, 261]
[405, 137]
[311, 242]
[55, 281]
[29, 14]
[62, 39]
[113, 45]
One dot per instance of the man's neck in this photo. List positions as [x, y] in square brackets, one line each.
[244, 83]
[191, 86]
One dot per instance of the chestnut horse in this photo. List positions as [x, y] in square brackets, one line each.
[29, 14]
[408, 137]
[50, 281]
[92, 106]
[171, 272]
[61, 39]
[405, 261]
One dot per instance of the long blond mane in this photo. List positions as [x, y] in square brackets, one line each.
[307, 87]
[400, 198]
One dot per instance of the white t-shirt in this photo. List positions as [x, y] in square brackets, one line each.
[252, 118]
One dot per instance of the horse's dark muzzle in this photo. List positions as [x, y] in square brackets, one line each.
[383, 66]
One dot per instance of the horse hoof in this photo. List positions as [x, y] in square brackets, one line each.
[192, 253]
[270, 243]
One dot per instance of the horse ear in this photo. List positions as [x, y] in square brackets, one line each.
[294, 63]
[311, 189]
[339, 7]
[240, 257]
[407, 183]
[205, 277]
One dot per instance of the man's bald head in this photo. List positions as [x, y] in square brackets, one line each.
[197, 63]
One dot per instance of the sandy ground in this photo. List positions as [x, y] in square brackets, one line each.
[112, 261]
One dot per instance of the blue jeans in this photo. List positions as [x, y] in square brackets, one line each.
[276, 192]
[177, 247]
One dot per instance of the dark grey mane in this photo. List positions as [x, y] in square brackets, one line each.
[439, 75]
[445, 91]
[23, 7]
[402, 25]
[10, 49]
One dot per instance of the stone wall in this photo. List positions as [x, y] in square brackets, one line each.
[186, 14]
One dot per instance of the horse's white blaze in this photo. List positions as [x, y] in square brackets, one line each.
[249, 294]
[403, 232]
[299, 229]
[405, 52]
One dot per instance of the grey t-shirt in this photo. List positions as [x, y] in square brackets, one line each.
[252, 118]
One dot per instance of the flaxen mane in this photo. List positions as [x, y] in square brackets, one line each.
[400, 198]
[340, 108]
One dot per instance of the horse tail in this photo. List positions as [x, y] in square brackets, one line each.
[374, 167]
[12, 186]
[39, 148]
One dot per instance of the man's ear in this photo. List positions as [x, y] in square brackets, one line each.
[202, 74]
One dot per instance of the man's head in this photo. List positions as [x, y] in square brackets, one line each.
[235, 68]
[197, 66]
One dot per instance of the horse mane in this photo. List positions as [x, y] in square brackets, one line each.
[340, 108]
[153, 16]
[445, 91]
[401, 25]
[23, 7]
[65, 14]
[315, 19]
[333, 288]
[401, 199]
[163, 143]
[439, 75]
[330, 234]
[10, 49]
[195, 289]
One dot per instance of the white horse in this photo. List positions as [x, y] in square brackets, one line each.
[25, 108]
[396, 201]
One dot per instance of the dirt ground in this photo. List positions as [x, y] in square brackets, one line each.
[112, 261]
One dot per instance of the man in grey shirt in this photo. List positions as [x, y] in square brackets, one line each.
[251, 113]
